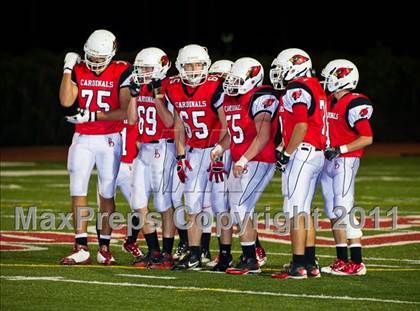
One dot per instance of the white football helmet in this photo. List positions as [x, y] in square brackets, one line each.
[150, 63]
[193, 54]
[246, 73]
[99, 49]
[340, 74]
[288, 65]
[221, 67]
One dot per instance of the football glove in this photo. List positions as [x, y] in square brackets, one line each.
[82, 116]
[282, 160]
[182, 164]
[332, 152]
[216, 171]
[155, 86]
[134, 88]
[70, 60]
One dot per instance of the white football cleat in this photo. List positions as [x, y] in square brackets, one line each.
[213, 263]
[79, 256]
[104, 256]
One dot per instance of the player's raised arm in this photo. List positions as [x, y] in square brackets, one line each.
[68, 88]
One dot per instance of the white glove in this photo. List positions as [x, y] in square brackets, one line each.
[70, 60]
[82, 116]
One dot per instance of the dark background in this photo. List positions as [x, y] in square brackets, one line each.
[382, 40]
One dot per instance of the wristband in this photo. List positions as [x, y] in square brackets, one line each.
[344, 149]
[242, 161]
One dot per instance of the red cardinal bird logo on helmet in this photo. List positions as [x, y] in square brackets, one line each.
[296, 94]
[342, 72]
[364, 112]
[298, 59]
[164, 60]
[253, 71]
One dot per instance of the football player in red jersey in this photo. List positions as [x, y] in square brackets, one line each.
[128, 154]
[99, 85]
[251, 111]
[349, 133]
[153, 167]
[300, 156]
[129, 137]
[199, 125]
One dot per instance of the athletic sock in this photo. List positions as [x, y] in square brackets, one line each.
[257, 242]
[81, 238]
[298, 259]
[183, 236]
[195, 251]
[248, 249]
[310, 255]
[132, 238]
[205, 241]
[341, 250]
[225, 249]
[104, 240]
[168, 244]
[152, 241]
[356, 253]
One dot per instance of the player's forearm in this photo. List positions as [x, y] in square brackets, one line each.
[132, 112]
[224, 127]
[68, 91]
[165, 115]
[225, 141]
[359, 143]
[113, 115]
[179, 136]
[260, 141]
[298, 135]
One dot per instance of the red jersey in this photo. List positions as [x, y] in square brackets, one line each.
[129, 138]
[151, 127]
[100, 93]
[309, 92]
[343, 115]
[240, 112]
[197, 107]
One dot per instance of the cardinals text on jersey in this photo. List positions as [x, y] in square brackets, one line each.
[100, 93]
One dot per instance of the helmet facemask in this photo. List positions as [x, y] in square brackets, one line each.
[145, 74]
[232, 85]
[191, 76]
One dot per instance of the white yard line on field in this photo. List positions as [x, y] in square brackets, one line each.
[11, 164]
[36, 173]
[205, 289]
[11, 187]
[148, 276]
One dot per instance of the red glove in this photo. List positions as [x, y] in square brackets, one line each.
[216, 171]
[181, 165]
